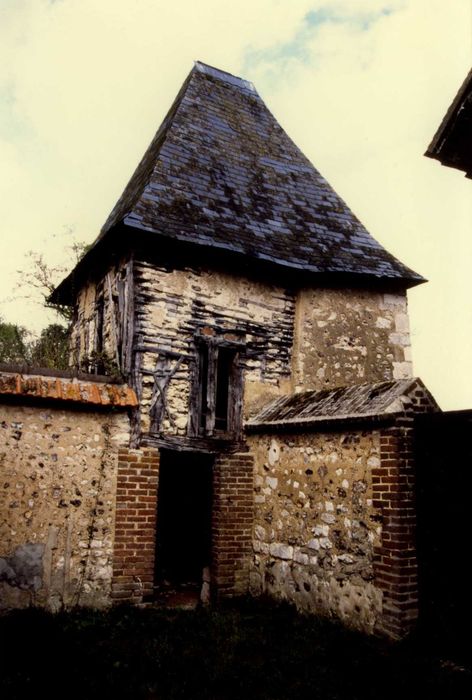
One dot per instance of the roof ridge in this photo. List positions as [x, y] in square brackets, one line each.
[224, 76]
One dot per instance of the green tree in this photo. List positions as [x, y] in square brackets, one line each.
[14, 346]
[51, 349]
[37, 281]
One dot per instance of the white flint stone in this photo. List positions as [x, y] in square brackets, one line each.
[328, 518]
[259, 532]
[314, 544]
[345, 558]
[274, 453]
[300, 557]
[321, 530]
[272, 482]
[281, 551]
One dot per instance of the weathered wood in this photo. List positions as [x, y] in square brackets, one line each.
[129, 319]
[158, 408]
[164, 351]
[136, 383]
[111, 302]
[194, 444]
[193, 426]
[235, 398]
[121, 324]
[211, 388]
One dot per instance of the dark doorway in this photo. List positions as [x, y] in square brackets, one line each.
[183, 541]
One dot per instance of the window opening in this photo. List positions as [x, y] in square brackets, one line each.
[224, 365]
[216, 406]
[203, 386]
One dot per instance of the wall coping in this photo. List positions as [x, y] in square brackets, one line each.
[66, 390]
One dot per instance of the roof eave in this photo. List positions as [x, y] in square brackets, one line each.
[322, 423]
[437, 143]
[100, 254]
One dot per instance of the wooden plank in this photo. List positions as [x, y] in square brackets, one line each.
[121, 326]
[158, 408]
[211, 388]
[195, 403]
[235, 398]
[164, 351]
[194, 444]
[128, 349]
[113, 319]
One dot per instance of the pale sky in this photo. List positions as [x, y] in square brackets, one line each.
[360, 85]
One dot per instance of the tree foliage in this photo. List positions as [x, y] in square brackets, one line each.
[14, 346]
[51, 349]
[38, 279]
[18, 347]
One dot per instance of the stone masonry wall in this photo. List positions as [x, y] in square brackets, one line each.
[173, 305]
[57, 504]
[311, 339]
[316, 528]
[349, 337]
[110, 294]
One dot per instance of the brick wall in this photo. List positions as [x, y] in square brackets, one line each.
[232, 520]
[395, 563]
[135, 525]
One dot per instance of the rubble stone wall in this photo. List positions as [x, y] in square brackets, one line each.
[315, 528]
[350, 336]
[58, 470]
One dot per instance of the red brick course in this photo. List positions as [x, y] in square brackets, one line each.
[135, 525]
[395, 563]
[232, 520]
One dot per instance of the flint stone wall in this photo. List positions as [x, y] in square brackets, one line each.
[315, 528]
[57, 504]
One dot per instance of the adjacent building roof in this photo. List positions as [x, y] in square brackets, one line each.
[222, 174]
[452, 143]
[360, 401]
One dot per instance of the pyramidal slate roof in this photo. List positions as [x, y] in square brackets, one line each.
[361, 401]
[222, 173]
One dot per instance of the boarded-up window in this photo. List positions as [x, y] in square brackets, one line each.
[217, 396]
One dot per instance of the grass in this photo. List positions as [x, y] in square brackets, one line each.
[249, 649]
